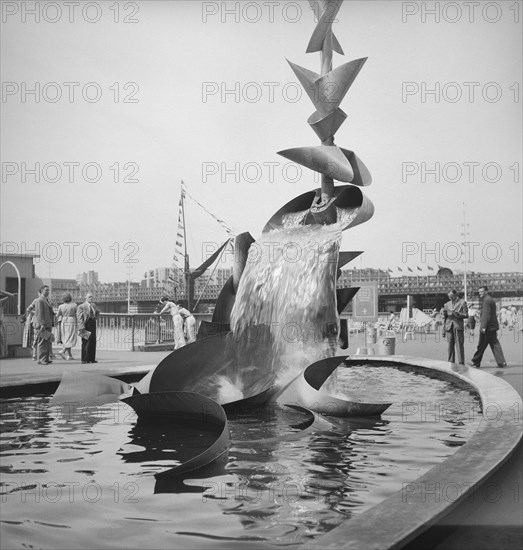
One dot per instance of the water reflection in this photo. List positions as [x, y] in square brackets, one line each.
[160, 446]
[288, 476]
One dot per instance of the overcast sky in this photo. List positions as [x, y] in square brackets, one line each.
[136, 96]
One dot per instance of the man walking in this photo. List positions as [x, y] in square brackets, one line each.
[43, 325]
[87, 313]
[454, 312]
[488, 331]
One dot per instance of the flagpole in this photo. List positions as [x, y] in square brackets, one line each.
[186, 255]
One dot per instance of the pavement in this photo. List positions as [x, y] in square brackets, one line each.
[23, 371]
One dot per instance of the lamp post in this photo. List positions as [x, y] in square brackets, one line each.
[129, 268]
[465, 233]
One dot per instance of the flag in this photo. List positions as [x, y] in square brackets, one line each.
[410, 269]
[179, 249]
[389, 270]
[430, 268]
[419, 268]
[179, 246]
[228, 229]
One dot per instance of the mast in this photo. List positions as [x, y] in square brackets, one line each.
[186, 271]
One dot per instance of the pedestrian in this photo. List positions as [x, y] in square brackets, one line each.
[503, 317]
[67, 312]
[471, 322]
[392, 322]
[189, 324]
[86, 315]
[454, 312]
[511, 317]
[29, 336]
[172, 308]
[488, 331]
[43, 324]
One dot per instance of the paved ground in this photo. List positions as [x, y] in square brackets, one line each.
[24, 371]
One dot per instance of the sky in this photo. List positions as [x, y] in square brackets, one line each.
[130, 98]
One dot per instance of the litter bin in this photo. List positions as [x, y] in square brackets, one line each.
[371, 335]
[387, 345]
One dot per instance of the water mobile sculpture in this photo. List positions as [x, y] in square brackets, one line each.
[188, 384]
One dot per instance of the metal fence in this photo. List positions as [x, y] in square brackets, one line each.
[130, 331]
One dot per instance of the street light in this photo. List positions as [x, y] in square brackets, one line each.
[465, 233]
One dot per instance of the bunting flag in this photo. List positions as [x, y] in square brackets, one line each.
[389, 270]
[399, 269]
[179, 246]
[410, 269]
[419, 268]
[430, 268]
[180, 254]
[228, 229]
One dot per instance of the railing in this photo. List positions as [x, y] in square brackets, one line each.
[129, 331]
[383, 323]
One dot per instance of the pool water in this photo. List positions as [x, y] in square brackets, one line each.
[95, 478]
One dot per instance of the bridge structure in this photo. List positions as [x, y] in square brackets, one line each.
[431, 291]
[427, 291]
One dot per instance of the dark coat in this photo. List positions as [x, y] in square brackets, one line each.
[44, 314]
[488, 319]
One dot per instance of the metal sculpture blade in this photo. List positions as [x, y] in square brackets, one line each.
[326, 160]
[346, 257]
[329, 10]
[327, 92]
[305, 390]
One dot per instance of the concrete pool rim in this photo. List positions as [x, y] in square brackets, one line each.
[405, 515]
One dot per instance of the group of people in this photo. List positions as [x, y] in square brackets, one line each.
[510, 317]
[455, 312]
[73, 320]
[184, 323]
[70, 322]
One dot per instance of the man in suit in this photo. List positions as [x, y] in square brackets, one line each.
[454, 312]
[43, 325]
[488, 331]
[87, 313]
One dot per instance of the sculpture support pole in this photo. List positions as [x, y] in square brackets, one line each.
[327, 183]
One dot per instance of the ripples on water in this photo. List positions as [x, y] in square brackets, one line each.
[94, 478]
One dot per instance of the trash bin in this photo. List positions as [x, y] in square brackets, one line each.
[387, 345]
[371, 335]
